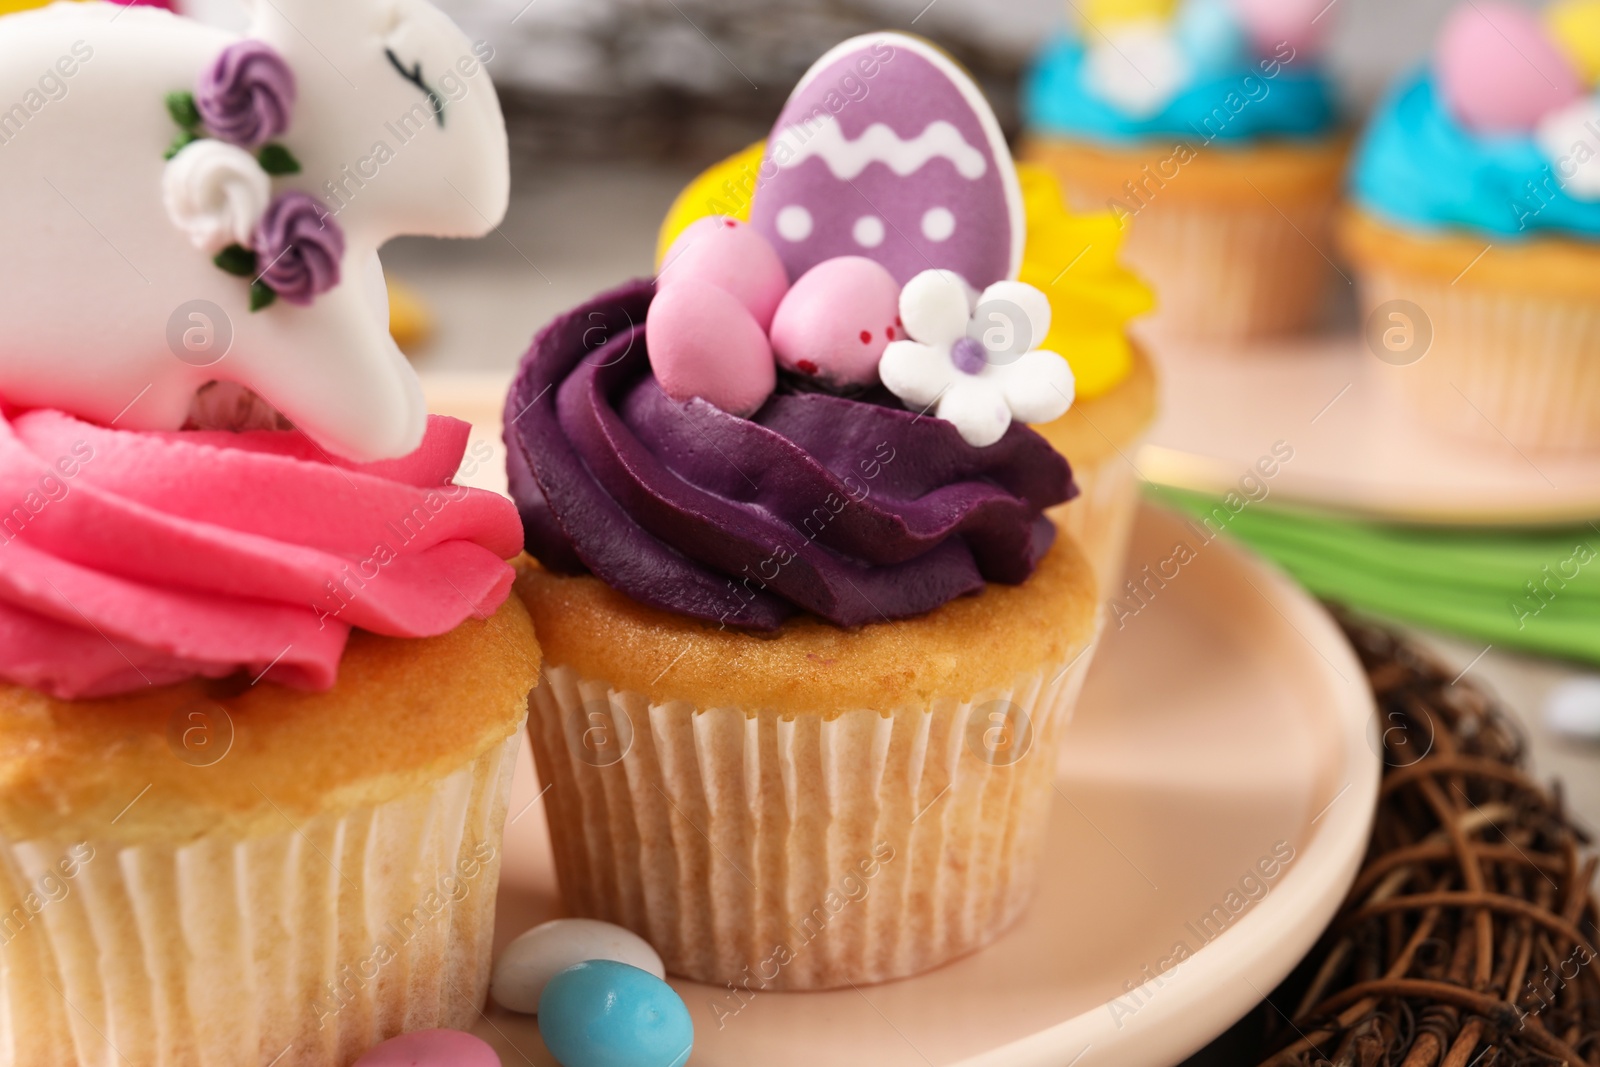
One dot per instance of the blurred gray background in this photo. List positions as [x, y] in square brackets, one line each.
[604, 78]
[613, 105]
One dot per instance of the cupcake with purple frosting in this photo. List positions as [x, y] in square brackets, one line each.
[812, 638]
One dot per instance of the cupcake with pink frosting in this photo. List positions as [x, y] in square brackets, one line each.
[811, 637]
[261, 677]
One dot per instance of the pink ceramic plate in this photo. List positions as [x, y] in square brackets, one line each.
[1214, 800]
[1356, 448]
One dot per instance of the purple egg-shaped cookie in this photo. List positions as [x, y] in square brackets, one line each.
[887, 149]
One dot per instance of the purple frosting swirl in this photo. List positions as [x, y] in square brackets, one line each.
[855, 510]
[299, 247]
[246, 96]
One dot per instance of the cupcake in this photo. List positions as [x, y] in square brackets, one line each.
[1208, 127]
[1474, 225]
[1075, 261]
[262, 681]
[810, 637]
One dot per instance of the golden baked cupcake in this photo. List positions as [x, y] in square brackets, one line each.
[813, 639]
[1475, 229]
[225, 873]
[1076, 261]
[261, 676]
[1208, 127]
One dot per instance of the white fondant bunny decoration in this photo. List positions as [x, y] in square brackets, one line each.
[109, 306]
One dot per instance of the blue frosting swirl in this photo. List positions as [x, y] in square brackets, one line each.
[1417, 165]
[1232, 106]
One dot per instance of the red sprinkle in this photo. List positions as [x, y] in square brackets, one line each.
[866, 337]
[890, 332]
[807, 367]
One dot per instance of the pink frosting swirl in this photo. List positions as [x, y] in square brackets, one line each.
[130, 560]
[299, 246]
[247, 95]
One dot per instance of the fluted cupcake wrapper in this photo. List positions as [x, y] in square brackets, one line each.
[1233, 273]
[789, 853]
[298, 949]
[1502, 364]
[1100, 518]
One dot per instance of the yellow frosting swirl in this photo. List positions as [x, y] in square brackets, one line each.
[1109, 12]
[1575, 25]
[1072, 259]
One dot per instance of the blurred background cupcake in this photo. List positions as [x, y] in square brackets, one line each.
[1475, 226]
[1209, 129]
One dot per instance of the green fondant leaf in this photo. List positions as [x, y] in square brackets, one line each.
[236, 259]
[277, 160]
[180, 142]
[181, 106]
[261, 296]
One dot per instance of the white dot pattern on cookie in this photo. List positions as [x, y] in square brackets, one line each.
[939, 224]
[795, 223]
[869, 231]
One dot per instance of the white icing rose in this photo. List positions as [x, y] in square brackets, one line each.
[216, 193]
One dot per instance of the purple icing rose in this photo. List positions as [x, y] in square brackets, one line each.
[247, 95]
[299, 247]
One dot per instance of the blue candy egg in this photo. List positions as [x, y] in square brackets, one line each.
[607, 1014]
[1211, 37]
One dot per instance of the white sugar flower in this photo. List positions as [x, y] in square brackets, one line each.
[979, 364]
[216, 193]
[1137, 68]
[1570, 139]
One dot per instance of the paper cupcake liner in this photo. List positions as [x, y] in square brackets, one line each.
[299, 949]
[1100, 519]
[1229, 273]
[782, 853]
[1502, 364]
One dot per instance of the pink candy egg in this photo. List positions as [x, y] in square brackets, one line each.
[837, 320]
[1499, 70]
[1271, 24]
[431, 1048]
[730, 255]
[705, 343]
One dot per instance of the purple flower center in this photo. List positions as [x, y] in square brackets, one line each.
[969, 356]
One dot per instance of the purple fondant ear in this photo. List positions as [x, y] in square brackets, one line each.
[887, 149]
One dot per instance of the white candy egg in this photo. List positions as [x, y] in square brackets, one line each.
[529, 962]
[1573, 709]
